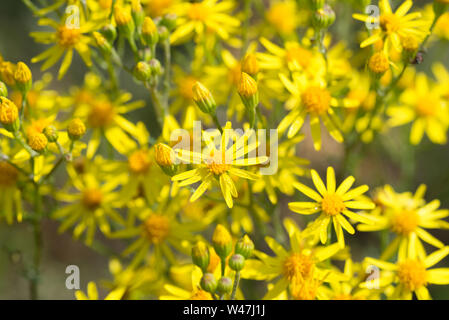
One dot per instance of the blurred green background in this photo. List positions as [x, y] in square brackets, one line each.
[389, 160]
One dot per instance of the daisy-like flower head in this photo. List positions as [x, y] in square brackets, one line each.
[333, 203]
[284, 16]
[425, 107]
[65, 38]
[93, 206]
[292, 268]
[205, 17]
[412, 275]
[219, 163]
[394, 26]
[309, 98]
[407, 215]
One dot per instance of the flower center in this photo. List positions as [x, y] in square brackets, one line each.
[316, 100]
[282, 16]
[185, 87]
[390, 23]
[298, 267]
[198, 11]
[139, 162]
[8, 174]
[405, 222]
[201, 295]
[426, 107]
[92, 198]
[306, 290]
[101, 115]
[68, 37]
[218, 168]
[37, 126]
[157, 228]
[300, 55]
[332, 204]
[412, 274]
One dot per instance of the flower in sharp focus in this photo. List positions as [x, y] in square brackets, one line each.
[334, 204]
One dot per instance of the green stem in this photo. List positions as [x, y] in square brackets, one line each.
[217, 123]
[236, 285]
[38, 243]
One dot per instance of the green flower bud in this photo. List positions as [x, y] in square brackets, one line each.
[51, 133]
[142, 71]
[156, 67]
[3, 90]
[137, 13]
[164, 158]
[163, 33]
[109, 32]
[245, 247]
[9, 115]
[249, 94]
[124, 21]
[102, 43]
[150, 35]
[222, 241]
[200, 256]
[236, 262]
[203, 98]
[169, 21]
[323, 18]
[23, 77]
[208, 283]
[318, 4]
[224, 286]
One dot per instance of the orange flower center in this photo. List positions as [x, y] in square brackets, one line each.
[92, 198]
[332, 204]
[427, 107]
[101, 115]
[412, 274]
[390, 23]
[298, 267]
[139, 162]
[316, 100]
[8, 174]
[300, 55]
[156, 228]
[198, 11]
[405, 222]
[68, 37]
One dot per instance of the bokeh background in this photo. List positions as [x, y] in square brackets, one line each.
[389, 160]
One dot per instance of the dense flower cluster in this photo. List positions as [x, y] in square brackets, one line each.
[195, 203]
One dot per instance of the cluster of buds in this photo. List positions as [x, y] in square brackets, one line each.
[222, 244]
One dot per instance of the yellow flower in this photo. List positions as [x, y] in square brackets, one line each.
[407, 215]
[394, 26]
[333, 203]
[425, 107]
[309, 98]
[302, 262]
[92, 293]
[200, 18]
[218, 163]
[283, 16]
[412, 275]
[92, 206]
[66, 38]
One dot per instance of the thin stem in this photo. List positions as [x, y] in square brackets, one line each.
[236, 285]
[38, 243]
[217, 123]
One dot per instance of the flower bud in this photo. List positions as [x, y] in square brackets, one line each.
[3, 89]
[318, 4]
[323, 18]
[150, 36]
[124, 20]
[37, 141]
[224, 286]
[200, 256]
[9, 115]
[244, 246]
[378, 64]
[51, 133]
[203, 98]
[23, 77]
[165, 157]
[169, 21]
[76, 129]
[7, 71]
[249, 94]
[222, 241]
[155, 66]
[410, 47]
[109, 32]
[163, 33]
[208, 283]
[250, 64]
[142, 71]
[102, 43]
[236, 262]
[137, 12]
